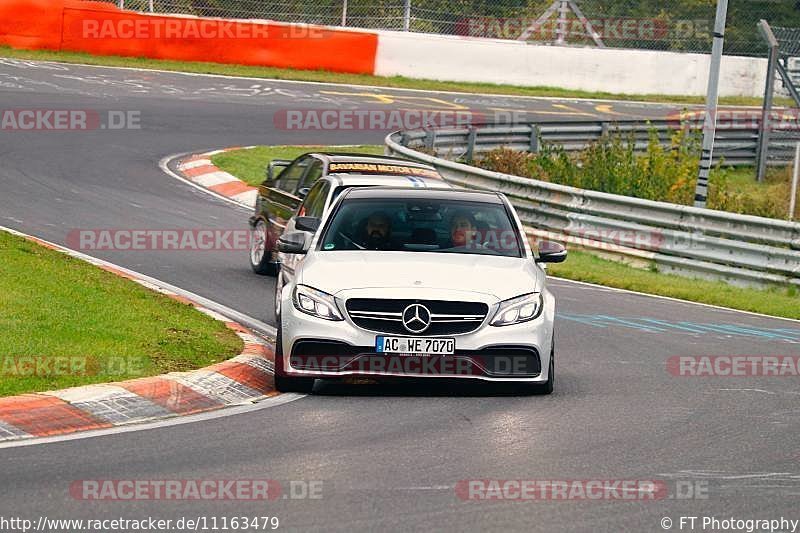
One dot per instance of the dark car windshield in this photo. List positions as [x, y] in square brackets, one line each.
[442, 226]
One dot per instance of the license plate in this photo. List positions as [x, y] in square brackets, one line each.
[408, 345]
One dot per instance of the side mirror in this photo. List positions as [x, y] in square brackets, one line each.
[273, 165]
[302, 193]
[551, 252]
[309, 224]
[293, 243]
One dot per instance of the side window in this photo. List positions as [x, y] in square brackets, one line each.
[314, 173]
[305, 208]
[290, 178]
[316, 208]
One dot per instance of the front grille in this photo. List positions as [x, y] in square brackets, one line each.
[386, 316]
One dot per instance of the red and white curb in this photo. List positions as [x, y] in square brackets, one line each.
[199, 169]
[244, 379]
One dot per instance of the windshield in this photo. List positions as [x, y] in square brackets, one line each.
[441, 226]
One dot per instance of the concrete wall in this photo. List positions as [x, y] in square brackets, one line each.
[611, 70]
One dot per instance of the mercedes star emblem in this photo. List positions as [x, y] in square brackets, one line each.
[416, 318]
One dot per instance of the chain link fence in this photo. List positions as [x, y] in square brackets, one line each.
[676, 25]
[789, 41]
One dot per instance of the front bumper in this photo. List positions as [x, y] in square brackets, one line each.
[319, 348]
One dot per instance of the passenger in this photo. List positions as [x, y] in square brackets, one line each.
[463, 230]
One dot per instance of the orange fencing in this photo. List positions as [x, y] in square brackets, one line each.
[102, 29]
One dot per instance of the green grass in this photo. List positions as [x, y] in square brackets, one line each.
[57, 308]
[249, 164]
[582, 266]
[357, 79]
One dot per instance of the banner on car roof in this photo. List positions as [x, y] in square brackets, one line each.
[382, 168]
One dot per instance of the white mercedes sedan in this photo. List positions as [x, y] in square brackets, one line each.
[399, 282]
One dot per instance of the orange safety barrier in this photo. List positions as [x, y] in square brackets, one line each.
[103, 29]
[31, 24]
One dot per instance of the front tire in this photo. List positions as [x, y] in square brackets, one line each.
[260, 257]
[284, 383]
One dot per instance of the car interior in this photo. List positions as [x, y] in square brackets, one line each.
[422, 227]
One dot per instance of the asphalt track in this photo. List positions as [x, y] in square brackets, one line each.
[389, 457]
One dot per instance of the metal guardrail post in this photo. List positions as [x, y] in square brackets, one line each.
[535, 145]
[763, 134]
[469, 156]
[430, 139]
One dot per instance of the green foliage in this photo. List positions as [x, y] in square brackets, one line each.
[661, 173]
[611, 165]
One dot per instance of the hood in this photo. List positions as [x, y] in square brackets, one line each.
[498, 277]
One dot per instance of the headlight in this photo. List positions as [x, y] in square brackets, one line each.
[520, 309]
[316, 303]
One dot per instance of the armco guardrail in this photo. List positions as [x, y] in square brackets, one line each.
[736, 142]
[738, 248]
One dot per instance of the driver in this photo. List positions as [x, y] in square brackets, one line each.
[463, 229]
[378, 231]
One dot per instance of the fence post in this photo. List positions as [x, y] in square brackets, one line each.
[712, 99]
[150, 5]
[344, 13]
[407, 16]
[563, 13]
[763, 133]
[795, 175]
[122, 4]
